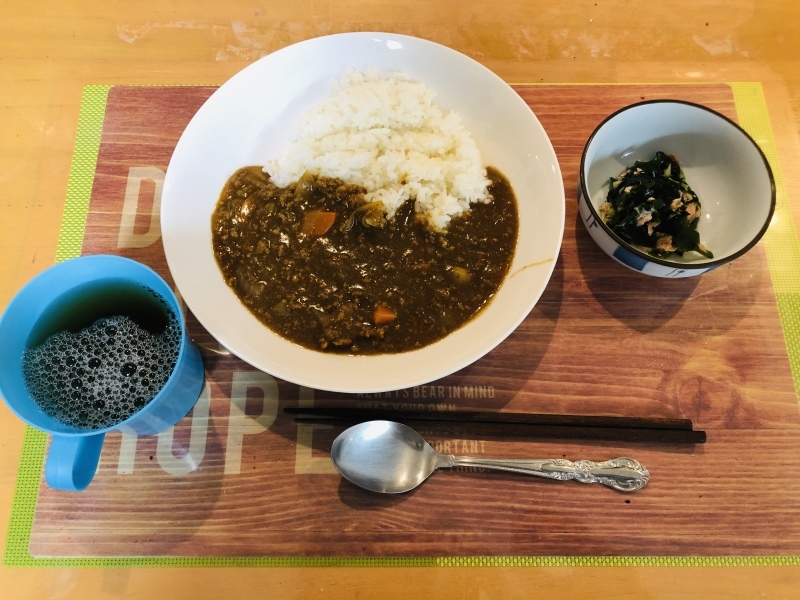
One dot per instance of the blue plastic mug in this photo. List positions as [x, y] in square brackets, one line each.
[72, 295]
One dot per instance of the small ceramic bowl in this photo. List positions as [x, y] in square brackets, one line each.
[721, 163]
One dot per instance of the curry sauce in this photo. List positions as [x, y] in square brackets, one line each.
[324, 268]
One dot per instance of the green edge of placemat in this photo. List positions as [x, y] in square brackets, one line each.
[780, 242]
[70, 242]
[783, 255]
[81, 173]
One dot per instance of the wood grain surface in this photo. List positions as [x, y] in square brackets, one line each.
[238, 478]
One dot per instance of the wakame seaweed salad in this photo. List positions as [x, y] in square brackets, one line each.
[651, 205]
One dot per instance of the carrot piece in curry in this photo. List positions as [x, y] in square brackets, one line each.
[316, 223]
[383, 315]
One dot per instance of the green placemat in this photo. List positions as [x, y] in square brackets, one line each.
[783, 254]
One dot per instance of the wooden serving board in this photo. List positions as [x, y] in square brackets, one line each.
[237, 478]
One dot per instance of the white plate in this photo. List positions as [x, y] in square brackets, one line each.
[251, 119]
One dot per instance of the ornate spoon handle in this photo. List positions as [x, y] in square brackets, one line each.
[623, 474]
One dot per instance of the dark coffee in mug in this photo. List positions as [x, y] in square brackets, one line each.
[99, 341]
[104, 357]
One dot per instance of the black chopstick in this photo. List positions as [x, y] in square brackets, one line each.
[538, 425]
[494, 417]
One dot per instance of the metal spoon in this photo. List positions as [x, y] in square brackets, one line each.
[388, 457]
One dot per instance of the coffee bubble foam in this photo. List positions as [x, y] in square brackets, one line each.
[103, 374]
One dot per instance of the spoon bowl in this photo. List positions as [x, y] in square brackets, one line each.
[392, 458]
[383, 456]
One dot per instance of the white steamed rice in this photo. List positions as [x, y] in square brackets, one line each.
[387, 135]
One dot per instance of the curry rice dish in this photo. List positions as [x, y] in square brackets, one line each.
[378, 231]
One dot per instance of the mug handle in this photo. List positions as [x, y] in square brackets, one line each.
[72, 461]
